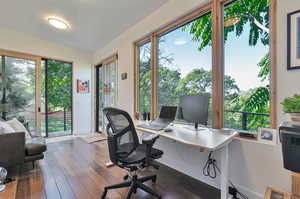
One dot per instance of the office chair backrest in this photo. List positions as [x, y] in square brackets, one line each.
[122, 136]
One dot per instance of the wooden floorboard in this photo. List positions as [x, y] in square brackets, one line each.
[74, 169]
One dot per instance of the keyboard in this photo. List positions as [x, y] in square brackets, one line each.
[151, 127]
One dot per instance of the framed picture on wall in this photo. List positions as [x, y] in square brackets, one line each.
[83, 86]
[293, 43]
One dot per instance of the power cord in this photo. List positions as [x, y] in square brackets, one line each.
[237, 191]
[210, 169]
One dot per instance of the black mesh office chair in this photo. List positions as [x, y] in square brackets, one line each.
[126, 152]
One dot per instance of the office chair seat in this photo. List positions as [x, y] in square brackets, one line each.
[140, 154]
[155, 153]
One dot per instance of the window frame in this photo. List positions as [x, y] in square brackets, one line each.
[216, 8]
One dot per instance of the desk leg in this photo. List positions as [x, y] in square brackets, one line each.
[224, 172]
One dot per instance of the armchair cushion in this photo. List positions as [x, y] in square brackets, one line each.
[35, 149]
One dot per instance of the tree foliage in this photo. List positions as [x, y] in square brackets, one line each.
[59, 88]
[20, 92]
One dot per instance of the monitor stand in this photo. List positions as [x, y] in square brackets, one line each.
[195, 128]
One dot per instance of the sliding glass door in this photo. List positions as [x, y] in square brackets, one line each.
[19, 89]
[56, 98]
[106, 90]
[40, 97]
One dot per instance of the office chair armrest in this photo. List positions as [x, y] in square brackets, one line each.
[150, 140]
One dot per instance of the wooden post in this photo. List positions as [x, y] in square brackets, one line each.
[218, 64]
[296, 185]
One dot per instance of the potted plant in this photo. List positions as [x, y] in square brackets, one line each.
[291, 106]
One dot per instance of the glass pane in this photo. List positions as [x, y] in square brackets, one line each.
[145, 78]
[185, 62]
[43, 98]
[56, 98]
[101, 97]
[108, 88]
[247, 65]
[19, 101]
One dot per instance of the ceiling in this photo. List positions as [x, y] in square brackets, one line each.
[94, 23]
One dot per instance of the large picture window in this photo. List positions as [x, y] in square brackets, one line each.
[224, 49]
[247, 65]
[144, 77]
[184, 63]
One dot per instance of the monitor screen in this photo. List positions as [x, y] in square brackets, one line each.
[168, 112]
[194, 108]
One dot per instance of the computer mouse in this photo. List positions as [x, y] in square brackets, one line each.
[168, 130]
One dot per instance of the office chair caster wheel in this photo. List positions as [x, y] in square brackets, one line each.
[126, 177]
[104, 194]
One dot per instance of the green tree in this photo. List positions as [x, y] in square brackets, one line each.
[200, 81]
[167, 87]
[20, 92]
[59, 85]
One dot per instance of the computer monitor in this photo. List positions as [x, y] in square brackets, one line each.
[194, 108]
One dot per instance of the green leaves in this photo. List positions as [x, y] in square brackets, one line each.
[59, 85]
[252, 12]
[264, 65]
[291, 104]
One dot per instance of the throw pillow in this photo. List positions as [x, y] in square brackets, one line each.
[18, 127]
[6, 128]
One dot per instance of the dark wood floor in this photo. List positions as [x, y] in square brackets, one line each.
[76, 170]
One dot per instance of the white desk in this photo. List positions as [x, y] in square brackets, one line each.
[209, 139]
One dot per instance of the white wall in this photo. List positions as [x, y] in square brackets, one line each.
[16, 41]
[288, 81]
[253, 166]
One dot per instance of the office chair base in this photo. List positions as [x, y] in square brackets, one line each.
[134, 184]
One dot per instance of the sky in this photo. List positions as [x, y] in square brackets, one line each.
[240, 59]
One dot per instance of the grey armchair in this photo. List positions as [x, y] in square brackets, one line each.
[12, 147]
[15, 150]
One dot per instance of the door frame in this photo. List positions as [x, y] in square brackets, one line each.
[111, 58]
[97, 98]
[72, 80]
[37, 60]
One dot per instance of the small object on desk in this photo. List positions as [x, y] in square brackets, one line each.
[167, 130]
[136, 115]
[148, 116]
[247, 135]
[144, 116]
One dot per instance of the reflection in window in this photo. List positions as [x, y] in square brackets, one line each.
[144, 68]
[185, 62]
[247, 65]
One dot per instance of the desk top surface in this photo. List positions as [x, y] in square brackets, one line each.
[208, 139]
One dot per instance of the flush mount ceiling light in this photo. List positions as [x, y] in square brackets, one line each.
[58, 23]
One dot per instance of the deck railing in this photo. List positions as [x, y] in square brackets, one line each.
[245, 117]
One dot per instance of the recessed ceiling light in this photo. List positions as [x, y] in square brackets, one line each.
[58, 23]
